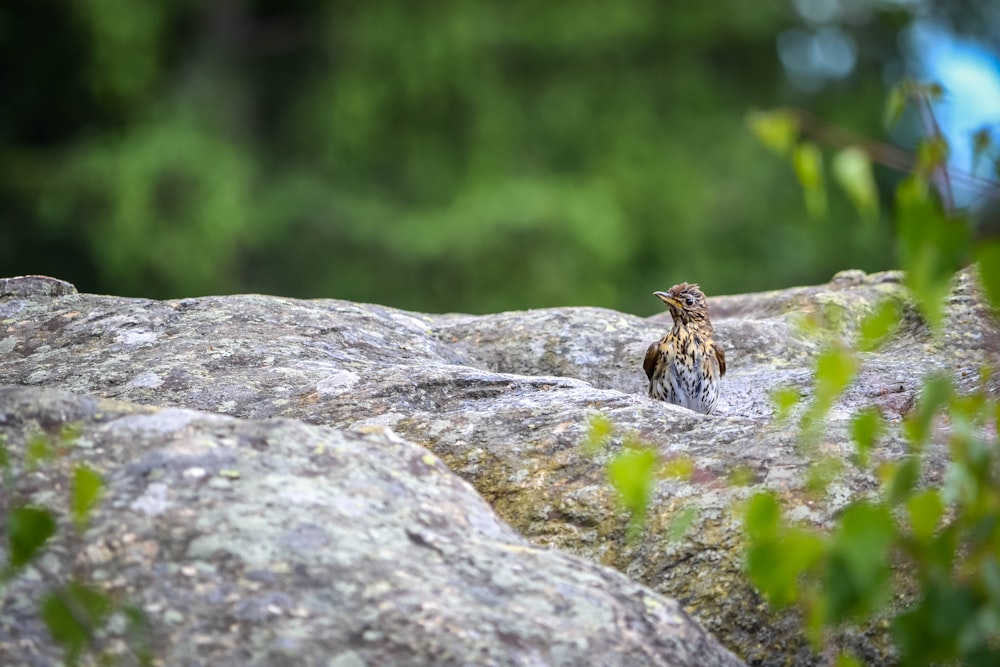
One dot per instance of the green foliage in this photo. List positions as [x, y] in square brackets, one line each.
[4, 455]
[845, 660]
[856, 578]
[333, 149]
[948, 539]
[823, 471]
[853, 171]
[741, 476]
[678, 467]
[866, 427]
[895, 106]
[155, 189]
[943, 543]
[28, 529]
[924, 510]
[37, 451]
[777, 130]
[71, 613]
[680, 523]
[778, 553]
[84, 493]
[835, 368]
[632, 473]
[599, 431]
[936, 394]
[785, 399]
[808, 162]
[931, 247]
[74, 610]
[879, 324]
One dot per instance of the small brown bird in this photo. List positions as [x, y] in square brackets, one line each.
[686, 365]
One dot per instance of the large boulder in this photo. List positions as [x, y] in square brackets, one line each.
[505, 400]
[276, 542]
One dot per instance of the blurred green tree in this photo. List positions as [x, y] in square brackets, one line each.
[444, 155]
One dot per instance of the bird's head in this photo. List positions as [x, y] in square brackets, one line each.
[686, 301]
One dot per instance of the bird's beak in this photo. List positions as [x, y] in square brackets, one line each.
[667, 298]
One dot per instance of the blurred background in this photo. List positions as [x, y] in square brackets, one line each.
[454, 155]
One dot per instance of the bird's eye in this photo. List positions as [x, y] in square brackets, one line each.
[689, 301]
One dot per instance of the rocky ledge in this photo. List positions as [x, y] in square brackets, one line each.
[273, 497]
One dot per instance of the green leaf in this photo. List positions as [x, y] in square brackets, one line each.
[69, 433]
[822, 473]
[988, 263]
[903, 479]
[847, 660]
[680, 522]
[762, 517]
[785, 399]
[853, 171]
[775, 566]
[28, 528]
[598, 432]
[763, 568]
[741, 475]
[969, 411]
[879, 323]
[4, 455]
[808, 163]
[38, 450]
[631, 474]
[835, 368]
[932, 153]
[929, 631]
[857, 575]
[931, 247]
[679, 467]
[64, 627]
[777, 130]
[925, 510]
[959, 484]
[936, 393]
[138, 633]
[72, 614]
[894, 106]
[815, 610]
[866, 427]
[84, 493]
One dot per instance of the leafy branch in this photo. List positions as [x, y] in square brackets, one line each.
[945, 540]
[73, 609]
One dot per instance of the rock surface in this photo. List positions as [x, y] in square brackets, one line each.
[505, 400]
[277, 542]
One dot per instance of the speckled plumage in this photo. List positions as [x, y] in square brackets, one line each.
[686, 365]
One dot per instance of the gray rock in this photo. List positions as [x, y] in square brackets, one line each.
[277, 542]
[505, 400]
[35, 286]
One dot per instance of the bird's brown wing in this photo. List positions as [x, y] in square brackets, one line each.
[649, 363]
[721, 356]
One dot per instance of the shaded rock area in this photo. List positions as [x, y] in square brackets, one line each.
[505, 400]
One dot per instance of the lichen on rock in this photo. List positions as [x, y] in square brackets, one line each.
[505, 401]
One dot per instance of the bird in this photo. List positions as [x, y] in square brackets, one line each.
[686, 365]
